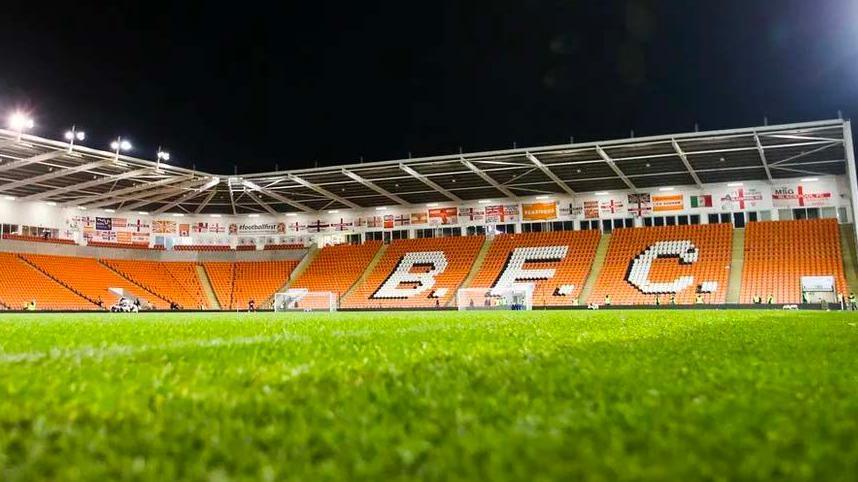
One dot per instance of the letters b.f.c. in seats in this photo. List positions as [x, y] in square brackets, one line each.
[555, 263]
[683, 261]
[417, 273]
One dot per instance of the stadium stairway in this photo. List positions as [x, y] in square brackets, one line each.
[475, 268]
[208, 290]
[596, 268]
[847, 247]
[369, 269]
[300, 268]
[38, 268]
[131, 280]
[737, 265]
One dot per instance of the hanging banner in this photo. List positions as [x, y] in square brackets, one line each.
[103, 224]
[539, 211]
[801, 196]
[317, 227]
[640, 204]
[502, 213]
[591, 209]
[419, 218]
[667, 202]
[571, 210]
[700, 201]
[184, 230]
[402, 220]
[443, 216]
[374, 222]
[297, 227]
[164, 227]
[388, 221]
[471, 214]
[741, 199]
[342, 225]
[611, 207]
[200, 228]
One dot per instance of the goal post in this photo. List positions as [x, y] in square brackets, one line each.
[518, 297]
[305, 300]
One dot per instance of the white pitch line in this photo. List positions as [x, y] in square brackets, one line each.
[131, 350]
[93, 352]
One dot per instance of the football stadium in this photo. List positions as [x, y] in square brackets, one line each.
[674, 307]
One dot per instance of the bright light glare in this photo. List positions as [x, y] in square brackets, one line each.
[9, 198]
[75, 135]
[809, 179]
[665, 189]
[120, 145]
[19, 121]
[163, 155]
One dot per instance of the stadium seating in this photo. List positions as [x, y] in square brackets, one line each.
[101, 244]
[258, 281]
[779, 253]
[201, 247]
[459, 253]
[572, 269]
[221, 275]
[235, 284]
[276, 247]
[21, 283]
[173, 281]
[37, 239]
[89, 278]
[246, 247]
[711, 263]
[337, 268]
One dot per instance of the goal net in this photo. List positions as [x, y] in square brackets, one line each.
[518, 297]
[304, 300]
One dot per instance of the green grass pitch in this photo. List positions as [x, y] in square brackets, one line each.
[482, 396]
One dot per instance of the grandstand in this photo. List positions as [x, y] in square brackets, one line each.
[711, 218]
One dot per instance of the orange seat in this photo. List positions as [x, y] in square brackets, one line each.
[571, 270]
[460, 253]
[714, 244]
[779, 253]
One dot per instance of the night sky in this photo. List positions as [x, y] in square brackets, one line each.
[299, 84]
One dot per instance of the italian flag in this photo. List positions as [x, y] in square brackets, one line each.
[704, 201]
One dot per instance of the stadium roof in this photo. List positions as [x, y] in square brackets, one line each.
[38, 169]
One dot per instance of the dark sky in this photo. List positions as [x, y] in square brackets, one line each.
[299, 83]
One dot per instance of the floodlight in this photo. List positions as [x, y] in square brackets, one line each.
[19, 121]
